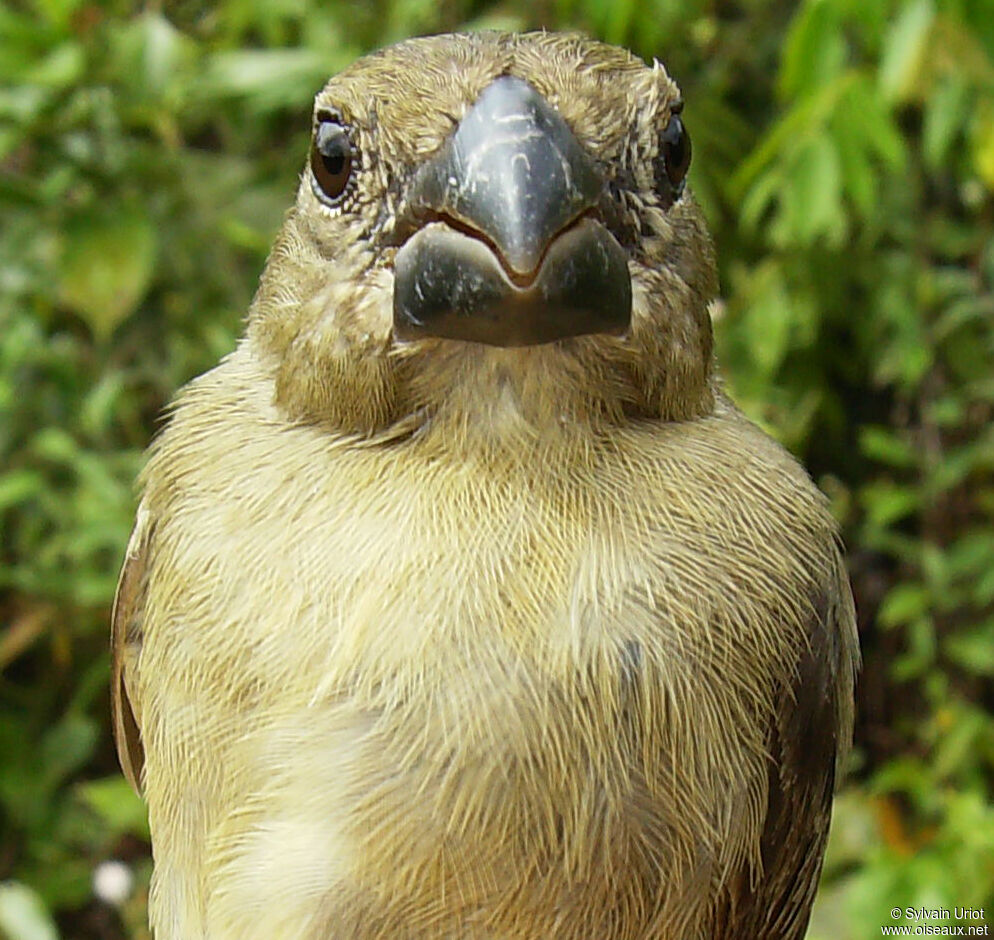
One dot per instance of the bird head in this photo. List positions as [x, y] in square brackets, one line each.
[492, 236]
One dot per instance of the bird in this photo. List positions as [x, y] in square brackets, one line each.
[462, 603]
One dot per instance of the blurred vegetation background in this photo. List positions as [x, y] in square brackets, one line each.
[844, 152]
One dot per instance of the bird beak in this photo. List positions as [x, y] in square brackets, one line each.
[509, 252]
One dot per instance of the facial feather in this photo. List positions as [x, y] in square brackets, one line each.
[322, 317]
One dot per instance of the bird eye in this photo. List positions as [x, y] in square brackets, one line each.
[674, 156]
[331, 159]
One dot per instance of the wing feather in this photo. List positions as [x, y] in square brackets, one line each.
[126, 640]
[807, 741]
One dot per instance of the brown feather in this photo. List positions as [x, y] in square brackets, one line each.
[125, 646]
[804, 751]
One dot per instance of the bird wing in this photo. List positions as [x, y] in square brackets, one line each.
[126, 639]
[807, 738]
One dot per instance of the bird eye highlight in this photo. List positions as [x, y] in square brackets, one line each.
[674, 156]
[331, 159]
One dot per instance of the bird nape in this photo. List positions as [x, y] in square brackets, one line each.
[462, 604]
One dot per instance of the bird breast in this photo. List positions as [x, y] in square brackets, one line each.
[478, 675]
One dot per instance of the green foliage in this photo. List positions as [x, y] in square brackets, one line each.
[844, 152]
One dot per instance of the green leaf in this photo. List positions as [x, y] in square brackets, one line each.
[619, 21]
[268, 78]
[767, 319]
[67, 746]
[884, 445]
[983, 589]
[871, 121]
[982, 143]
[18, 486]
[920, 657]
[812, 196]
[117, 805]
[903, 603]
[57, 12]
[945, 411]
[858, 176]
[62, 67]
[946, 114]
[904, 48]
[886, 502]
[815, 51]
[760, 196]
[973, 651]
[56, 445]
[107, 263]
[805, 118]
[159, 61]
[23, 915]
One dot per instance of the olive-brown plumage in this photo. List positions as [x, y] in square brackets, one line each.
[461, 602]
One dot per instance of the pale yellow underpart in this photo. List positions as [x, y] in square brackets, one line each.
[416, 655]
